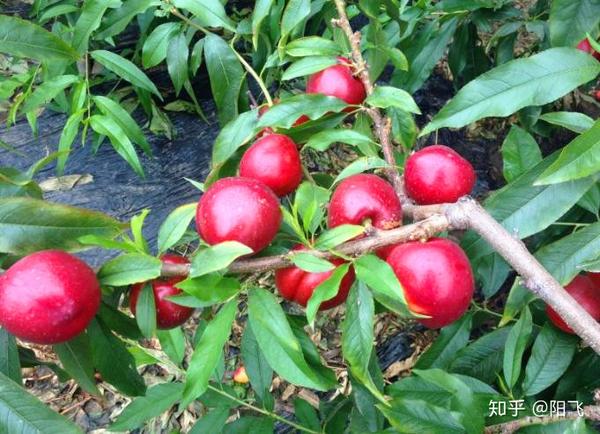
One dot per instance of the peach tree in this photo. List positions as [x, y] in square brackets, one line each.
[321, 195]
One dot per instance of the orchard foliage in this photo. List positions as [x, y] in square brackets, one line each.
[507, 59]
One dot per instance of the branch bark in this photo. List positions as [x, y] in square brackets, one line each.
[590, 412]
[421, 230]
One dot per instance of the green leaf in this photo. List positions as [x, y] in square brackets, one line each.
[23, 413]
[92, 12]
[525, 209]
[172, 342]
[411, 416]
[324, 139]
[551, 355]
[338, 235]
[310, 203]
[125, 69]
[326, 290]
[175, 226]
[576, 122]
[129, 268]
[295, 12]
[463, 399]
[226, 76]
[158, 399]
[9, 357]
[76, 358]
[145, 311]
[258, 369]
[571, 20]
[155, 46]
[213, 421]
[582, 376]
[106, 126]
[209, 289]
[361, 165]
[119, 322]
[47, 91]
[532, 81]
[67, 137]
[209, 13]
[118, 19]
[122, 117]
[217, 257]
[23, 38]
[482, 359]
[308, 65]
[306, 414]
[388, 96]
[233, 136]
[177, 60]
[28, 225]
[452, 338]
[578, 159]
[423, 54]
[520, 152]
[386, 287]
[207, 353]
[278, 343]
[358, 336]
[516, 344]
[286, 112]
[262, 9]
[312, 46]
[311, 263]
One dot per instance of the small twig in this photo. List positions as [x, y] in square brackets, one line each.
[591, 412]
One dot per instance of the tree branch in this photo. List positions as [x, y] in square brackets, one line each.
[590, 412]
[421, 230]
[382, 123]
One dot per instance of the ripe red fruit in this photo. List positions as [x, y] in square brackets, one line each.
[168, 314]
[438, 174]
[595, 278]
[48, 297]
[238, 209]
[297, 285]
[274, 160]
[365, 197]
[584, 45]
[437, 279]
[338, 81]
[583, 290]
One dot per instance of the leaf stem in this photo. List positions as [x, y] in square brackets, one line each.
[263, 411]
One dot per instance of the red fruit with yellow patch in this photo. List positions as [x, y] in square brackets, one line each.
[437, 279]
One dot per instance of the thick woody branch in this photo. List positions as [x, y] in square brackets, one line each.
[382, 123]
[591, 412]
[417, 231]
